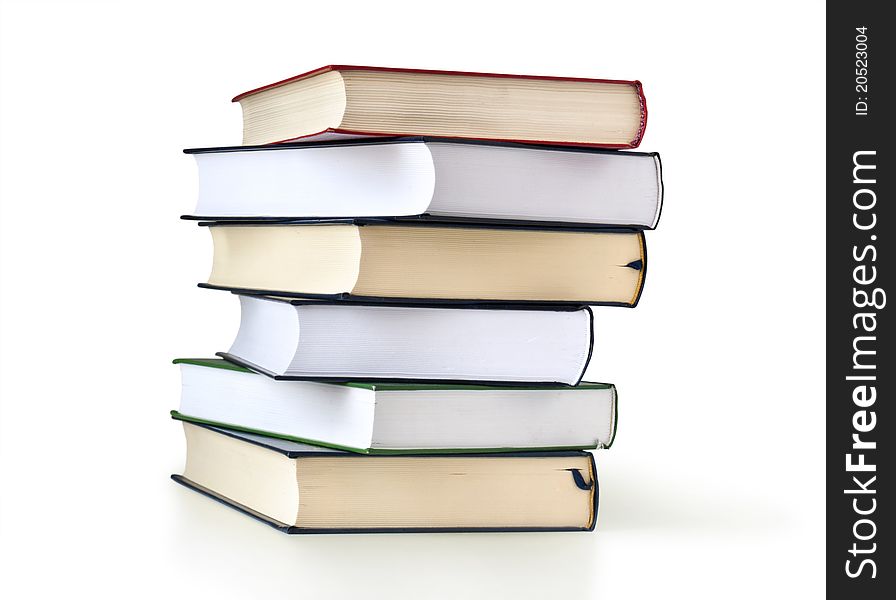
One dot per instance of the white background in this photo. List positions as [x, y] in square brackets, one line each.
[714, 486]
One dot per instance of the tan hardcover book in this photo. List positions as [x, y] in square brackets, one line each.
[306, 489]
[430, 262]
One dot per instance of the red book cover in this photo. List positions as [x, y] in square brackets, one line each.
[328, 133]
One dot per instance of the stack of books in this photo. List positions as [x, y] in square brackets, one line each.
[415, 254]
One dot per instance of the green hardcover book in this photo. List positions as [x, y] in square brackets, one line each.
[398, 418]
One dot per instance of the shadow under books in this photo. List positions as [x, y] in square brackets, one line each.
[632, 502]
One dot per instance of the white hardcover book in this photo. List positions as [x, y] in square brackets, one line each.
[425, 178]
[302, 339]
[397, 417]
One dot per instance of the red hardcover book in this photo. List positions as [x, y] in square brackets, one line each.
[340, 101]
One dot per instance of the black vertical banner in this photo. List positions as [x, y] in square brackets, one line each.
[861, 371]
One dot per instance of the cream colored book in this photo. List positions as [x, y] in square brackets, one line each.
[299, 488]
[430, 262]
[350, 101]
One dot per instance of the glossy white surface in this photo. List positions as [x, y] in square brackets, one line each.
[729, 505]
